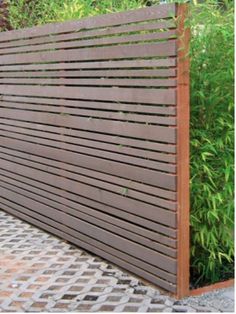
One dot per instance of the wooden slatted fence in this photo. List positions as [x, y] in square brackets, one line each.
[94, 136]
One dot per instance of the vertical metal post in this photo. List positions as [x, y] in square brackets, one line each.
[183, 115]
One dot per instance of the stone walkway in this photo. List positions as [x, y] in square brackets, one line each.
[41, 273]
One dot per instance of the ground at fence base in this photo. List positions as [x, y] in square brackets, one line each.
[219, 285]
[41, 273]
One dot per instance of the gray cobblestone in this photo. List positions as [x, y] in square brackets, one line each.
[41, 273]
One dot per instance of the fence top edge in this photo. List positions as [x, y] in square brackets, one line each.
[110, 19]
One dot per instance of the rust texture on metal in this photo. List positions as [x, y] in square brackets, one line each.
[93, 137]
[183, 114]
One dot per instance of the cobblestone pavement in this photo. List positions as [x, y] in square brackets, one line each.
[41, 273]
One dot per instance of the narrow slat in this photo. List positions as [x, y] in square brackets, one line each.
[156, 178]
[87, 143]
[101, 73]
[166, 244]
[122, 202]
[104, 138]
[84, 213]
[33, 160]
[121, 260]
[109, 238]
[94, 82]
[145, 163]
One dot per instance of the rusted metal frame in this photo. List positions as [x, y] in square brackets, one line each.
[219, 285]
[183, 115]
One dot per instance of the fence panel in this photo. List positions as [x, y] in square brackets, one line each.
[91, 136]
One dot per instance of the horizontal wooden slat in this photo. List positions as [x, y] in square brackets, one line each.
[169, 168]
[39, 162]
[160, 242]
[93, 82]
[118, 257]
[82, 176]
[109, 238]
[153, 213]
[87, 143]
[111, 106]
[92, 42]
[148, 132]
[85, 213]
[117, 64]
[88, 135]
[126, 116]
[126, 73]
[168, 10]
[149, 96]
[156, 178]
[102, 53]
[123, 29]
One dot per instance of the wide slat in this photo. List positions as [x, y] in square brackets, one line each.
[114, 52]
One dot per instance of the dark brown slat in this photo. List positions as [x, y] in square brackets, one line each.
[123, 29]
[145, 14]
[114, 52]
[170, 168]
[139, 63]
[87, 143]
[94, 82]
[166, 244]
[39, 195]
[127, 204]
[126, 116]
[93, 42]
[121, 141]
[119, 201]
[150, 74]
[157, 232]
[39, 162]
[162, 110]
[127, 261]
[82, 177]
[160, 179]
[149, 96]
[147, 132]
[133, 249]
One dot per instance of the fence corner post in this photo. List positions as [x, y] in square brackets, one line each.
[183, 176]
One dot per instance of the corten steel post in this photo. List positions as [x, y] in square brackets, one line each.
[183, 114]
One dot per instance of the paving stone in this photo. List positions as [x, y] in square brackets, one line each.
[41, 273]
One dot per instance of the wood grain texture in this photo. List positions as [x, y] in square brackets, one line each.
[93, 137]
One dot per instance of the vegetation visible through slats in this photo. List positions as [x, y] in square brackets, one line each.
[211, 22]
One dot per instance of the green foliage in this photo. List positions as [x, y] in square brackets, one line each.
[26, 13]
[212, 141]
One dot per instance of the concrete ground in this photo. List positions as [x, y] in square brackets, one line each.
[41, 273]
